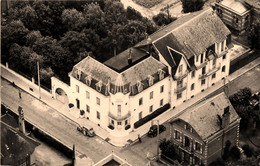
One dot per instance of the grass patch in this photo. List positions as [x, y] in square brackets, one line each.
[148, 3]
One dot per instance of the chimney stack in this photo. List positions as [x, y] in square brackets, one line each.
[130, 57]
[225, 117]
[21, 120]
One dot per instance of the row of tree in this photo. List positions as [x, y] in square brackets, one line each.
[58, 36]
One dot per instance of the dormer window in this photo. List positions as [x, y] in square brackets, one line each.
[150, 80]
[161, 74]
[88, 80]
[107, 88]
[78, 74]
[98, 86]
[139, 86]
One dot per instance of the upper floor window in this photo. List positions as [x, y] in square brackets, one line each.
[98, 115]
[197, 58]
[198, 147]
[214, 63]
[203, 70]
[177, 135]
[224, 57]
[192, 87]
[203, 82]
[150, 80]
[179, 95]
[179, 83]
[77, 88]
[213, 76]
[98, 100]
[88, 80]
[219, 12]
[202, 58]
[139, 86]
[151, 95]
[161, 102]
[162, 89]
[235, 19]
[107, 87]
[141, 101]
[99, 86]
[151, 108]
[87, 108]
[193, 74]
[87, 95]
[119, 110]
[223, 68]
[140, 115]
[180, 68]
[161, 74]
[78, 74]
[188, 127]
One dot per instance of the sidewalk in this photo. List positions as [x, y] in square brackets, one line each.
[46, 97]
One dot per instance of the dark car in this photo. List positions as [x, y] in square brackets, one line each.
[153, 130]
[89, 132]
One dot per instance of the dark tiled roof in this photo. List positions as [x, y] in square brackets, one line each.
[15, 145]
[204, 117]
[120, 61]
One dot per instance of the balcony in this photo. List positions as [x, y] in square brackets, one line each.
[119, 118]
[180, 88]
[181, 76]
[211, 71]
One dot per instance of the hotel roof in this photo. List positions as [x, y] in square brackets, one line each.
[234, 5]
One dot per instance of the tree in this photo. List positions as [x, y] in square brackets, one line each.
[254, 35]
[217, 162]
[249, 151]
[241, 97]
[163, 19]
[13, 32]
[73, 20]
[115, 13]
[235, 152]
[192, 5]
[133, 14]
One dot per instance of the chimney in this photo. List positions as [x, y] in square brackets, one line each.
[130, 57]
[225, 117]
[21, 120]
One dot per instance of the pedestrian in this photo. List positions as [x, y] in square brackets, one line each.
[20, 95]
[139, 138]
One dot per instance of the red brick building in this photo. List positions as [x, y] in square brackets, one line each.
[201, 132]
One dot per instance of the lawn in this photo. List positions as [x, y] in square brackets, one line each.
[148, 3]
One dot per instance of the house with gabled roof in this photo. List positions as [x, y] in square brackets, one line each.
[201, 132]
[169, 67]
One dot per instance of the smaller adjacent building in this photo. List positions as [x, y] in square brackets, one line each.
[200, 133]
[234, 13]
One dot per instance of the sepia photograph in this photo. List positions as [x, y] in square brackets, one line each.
[130, 83]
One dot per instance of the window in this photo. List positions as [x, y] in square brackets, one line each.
[197, 58]
[141, 101]
[150, 80]
[235, 19]
[140, 115]
[193, 74]
[224, 57]
[119, 123]
[161, 89]
[151, 108]
[88, 80]
[201, 58]
[187, 141]
[87, 108]
[198, 147]
[203, 70]
[203, 82]
[98, 115]
[151, 95]
[192, 87]
[77, 88]
[213, 76]
[222, 46]
[98, 86]
[98, 101]
[177, 135]
[161, 102]
[87, 95]
[188, 127]
[219, 12]
[179, 83]
[214, 63]
[112, 121]
[161, 74]
[119, 110]
[223, 68]
[126, 122]
[78, 103]
[180, 68]
[179, 95]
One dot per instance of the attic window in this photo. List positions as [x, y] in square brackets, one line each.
[88, 80]
[188, 127]
[107, 88]
[140, 86]
[161, 74]
[98, 86]
[78, 74]
[150, 80]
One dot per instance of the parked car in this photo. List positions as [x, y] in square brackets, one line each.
[89, 132]
[153, 130]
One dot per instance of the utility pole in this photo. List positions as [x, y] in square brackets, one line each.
[39, 82]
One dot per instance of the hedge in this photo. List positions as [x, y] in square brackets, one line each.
[151, 116]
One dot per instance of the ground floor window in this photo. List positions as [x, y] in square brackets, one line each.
[119, 123]
[179, 95]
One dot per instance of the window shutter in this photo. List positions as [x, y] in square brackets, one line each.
[174, 135]
[183, 142]
[200, 148]
[180, 137]
[194, 146]
[185, 126]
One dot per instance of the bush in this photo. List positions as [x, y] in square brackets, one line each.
[111, 127]
[163, 19]
[218, 162]
[248, 150]
[127, 127]
[148, 3]
[235, 153]
[192, 5]
[151, 116]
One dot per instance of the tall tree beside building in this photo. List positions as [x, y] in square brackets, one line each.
[192, 5]
[254, 35]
